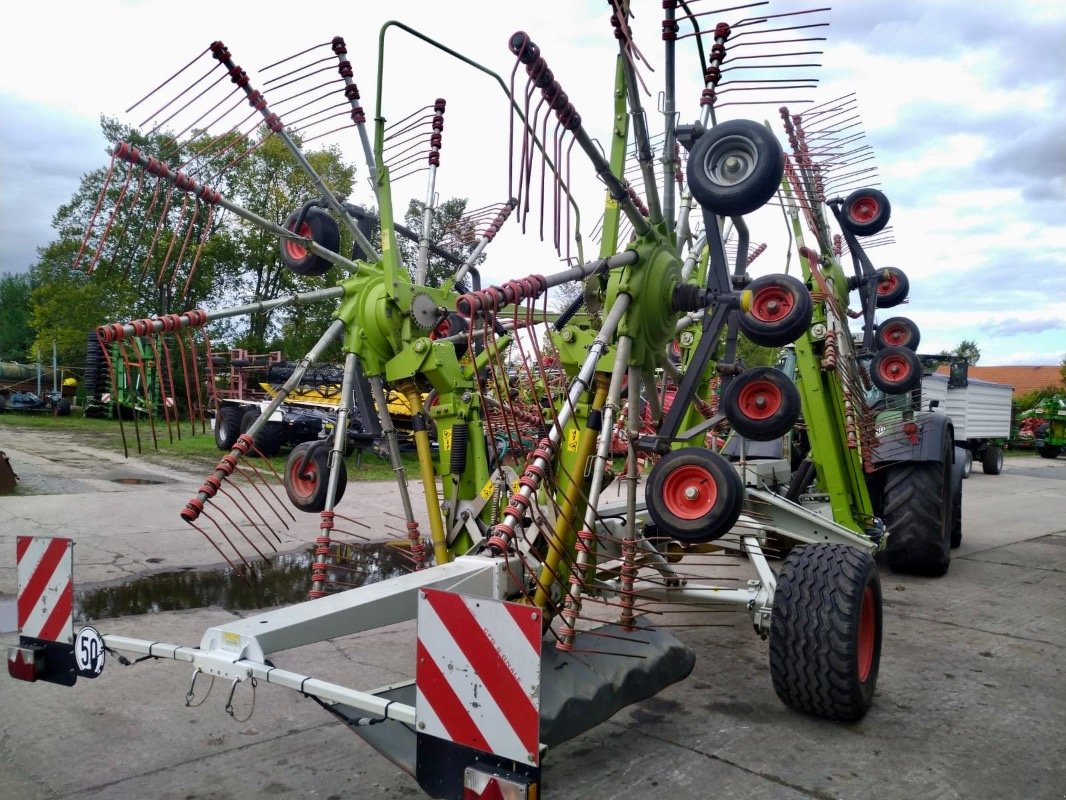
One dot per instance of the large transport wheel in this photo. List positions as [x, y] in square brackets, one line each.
[897, 332]
[761, 404]
[825, 631]
[780, 311]
[307, 476]
[866, 212]
[321, 228]
[892, 287]
[227, 426]
[694, 495]
[992, 460]
[734, 168]
[270, 438]
[917, 513]
[896, 370]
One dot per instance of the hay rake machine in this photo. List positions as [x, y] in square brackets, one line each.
[543, 548]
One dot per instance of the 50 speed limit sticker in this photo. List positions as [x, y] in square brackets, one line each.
[89, 652]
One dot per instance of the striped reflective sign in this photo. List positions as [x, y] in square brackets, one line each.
[478, 673]
[45, 588]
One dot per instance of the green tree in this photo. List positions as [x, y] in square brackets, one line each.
[968, 349]
[16, 333]
[149, 262]
[447, 228]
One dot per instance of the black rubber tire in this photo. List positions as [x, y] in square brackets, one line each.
[896, 370]
[968, 466]
[227, 426]
[1050, 450]
[958, 472]
[917, 513]
[715, 509]
[761, 404]
[866, 212]
[319, 226]
[892, 287]
[897, 332]
[825, 631]
[759, 160]
[270, 438]
[781, 309]
[307, 476]
[992, 460]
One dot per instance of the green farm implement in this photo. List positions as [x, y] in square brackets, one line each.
[582, 475]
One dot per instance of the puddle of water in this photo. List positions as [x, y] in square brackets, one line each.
[283, 580]
[137, 481]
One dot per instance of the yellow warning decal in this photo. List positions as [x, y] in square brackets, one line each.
[571, 440]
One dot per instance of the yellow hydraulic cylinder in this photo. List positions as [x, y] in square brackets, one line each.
[564, 537]
[429, 478]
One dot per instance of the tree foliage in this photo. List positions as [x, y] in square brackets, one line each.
[16, 333]
[142, 255]
[449, 229]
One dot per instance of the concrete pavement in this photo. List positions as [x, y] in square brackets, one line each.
[971, 699]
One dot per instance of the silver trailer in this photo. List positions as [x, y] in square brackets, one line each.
[980, 414]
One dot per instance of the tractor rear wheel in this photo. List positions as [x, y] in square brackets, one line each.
[918, 513]
[825, 631]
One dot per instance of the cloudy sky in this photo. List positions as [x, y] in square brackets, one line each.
[962, 103]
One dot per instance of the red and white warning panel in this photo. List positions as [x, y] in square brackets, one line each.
[45, 588]
[478, 674]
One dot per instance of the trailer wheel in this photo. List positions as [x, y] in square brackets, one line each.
[694, 495]
[866, 212]
[761, 404]
[897, 332]
[780, 312]
[227, 426]
[917, 513]
[307, 476]
[892, 287]
[958, 472]
[735, 167]
[992, 460]
[968, 464]
[825, 631]
[896, 370]
[321, 228]
[270, 438]
[1050, 450]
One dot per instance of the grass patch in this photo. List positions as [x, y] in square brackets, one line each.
[182, 445]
